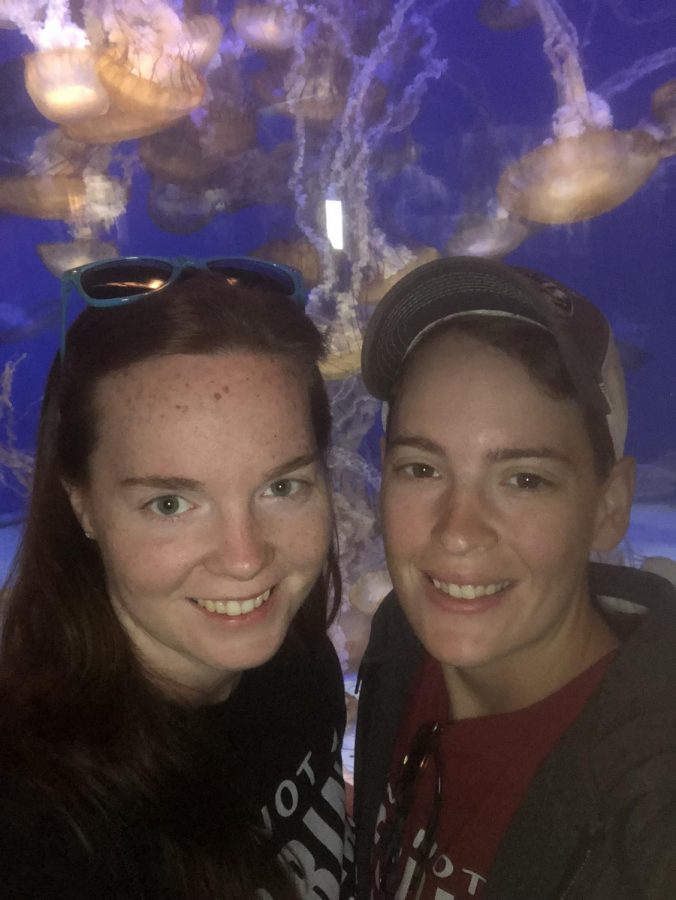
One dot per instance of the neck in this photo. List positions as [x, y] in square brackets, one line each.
[188, 695]
[534, 673]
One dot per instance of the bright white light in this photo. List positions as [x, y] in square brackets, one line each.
[334, 223]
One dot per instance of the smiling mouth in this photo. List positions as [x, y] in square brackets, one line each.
[233, 607]
[469, 591]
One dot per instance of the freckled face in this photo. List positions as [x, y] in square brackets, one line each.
[211, 510]
[490, 506]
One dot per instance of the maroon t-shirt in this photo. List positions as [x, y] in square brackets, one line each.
[487, 764]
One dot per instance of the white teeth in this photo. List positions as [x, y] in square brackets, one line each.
[469, 591]
[233, 607]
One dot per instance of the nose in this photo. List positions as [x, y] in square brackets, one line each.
[238, 548]
[464, 523]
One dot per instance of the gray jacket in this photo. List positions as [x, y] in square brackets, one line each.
[599, 819]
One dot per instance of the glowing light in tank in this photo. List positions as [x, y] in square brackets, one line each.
[334, 223]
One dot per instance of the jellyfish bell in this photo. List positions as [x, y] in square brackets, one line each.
[174, 153]
[507, 15]
[186, 152]
[200, 40]
[491, 237]
[173, 88]
[180, 208]
[227, 130]
[575, 179]
[63, 83]
[319, 93]
[42, 196]
[114, 126]
[63, 255]
[268, 27]
[54, 153]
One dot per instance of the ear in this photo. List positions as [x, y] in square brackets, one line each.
[78, 503]
[614, 506]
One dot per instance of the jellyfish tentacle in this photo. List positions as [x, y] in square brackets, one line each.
[561, 47]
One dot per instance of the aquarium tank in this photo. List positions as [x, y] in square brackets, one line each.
[352, 140]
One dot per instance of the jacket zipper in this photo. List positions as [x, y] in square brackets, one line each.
[579, 861]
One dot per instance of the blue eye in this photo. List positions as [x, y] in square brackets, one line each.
[169, 505]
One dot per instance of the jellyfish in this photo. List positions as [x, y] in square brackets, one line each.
[320, 94]
[316, 91]
[63, 83]
[43, 196]
[54, 153]
[181, 209]
[201, 39]
[64, 255]
[174, 154]
[169, 91]
[577, 178]
[588, 168]
[65, 180]
[491, 237]
[113, 126]
[228, 125]
[268, 27]
[188, 152]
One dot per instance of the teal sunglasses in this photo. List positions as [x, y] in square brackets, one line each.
[116, 282]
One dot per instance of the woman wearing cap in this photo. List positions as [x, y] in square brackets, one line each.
[171, 707]
[517, 726]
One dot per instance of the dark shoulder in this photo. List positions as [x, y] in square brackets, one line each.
[391, 633]
[44, 854]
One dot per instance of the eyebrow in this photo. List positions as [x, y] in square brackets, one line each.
[178, 483]
[502, 454]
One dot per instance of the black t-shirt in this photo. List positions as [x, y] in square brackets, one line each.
[284, 723]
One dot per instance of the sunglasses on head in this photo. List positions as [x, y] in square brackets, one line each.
[116, 282]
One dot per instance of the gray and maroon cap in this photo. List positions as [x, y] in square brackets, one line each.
[446, 288]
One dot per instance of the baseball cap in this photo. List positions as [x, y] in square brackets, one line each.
[446, 288]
